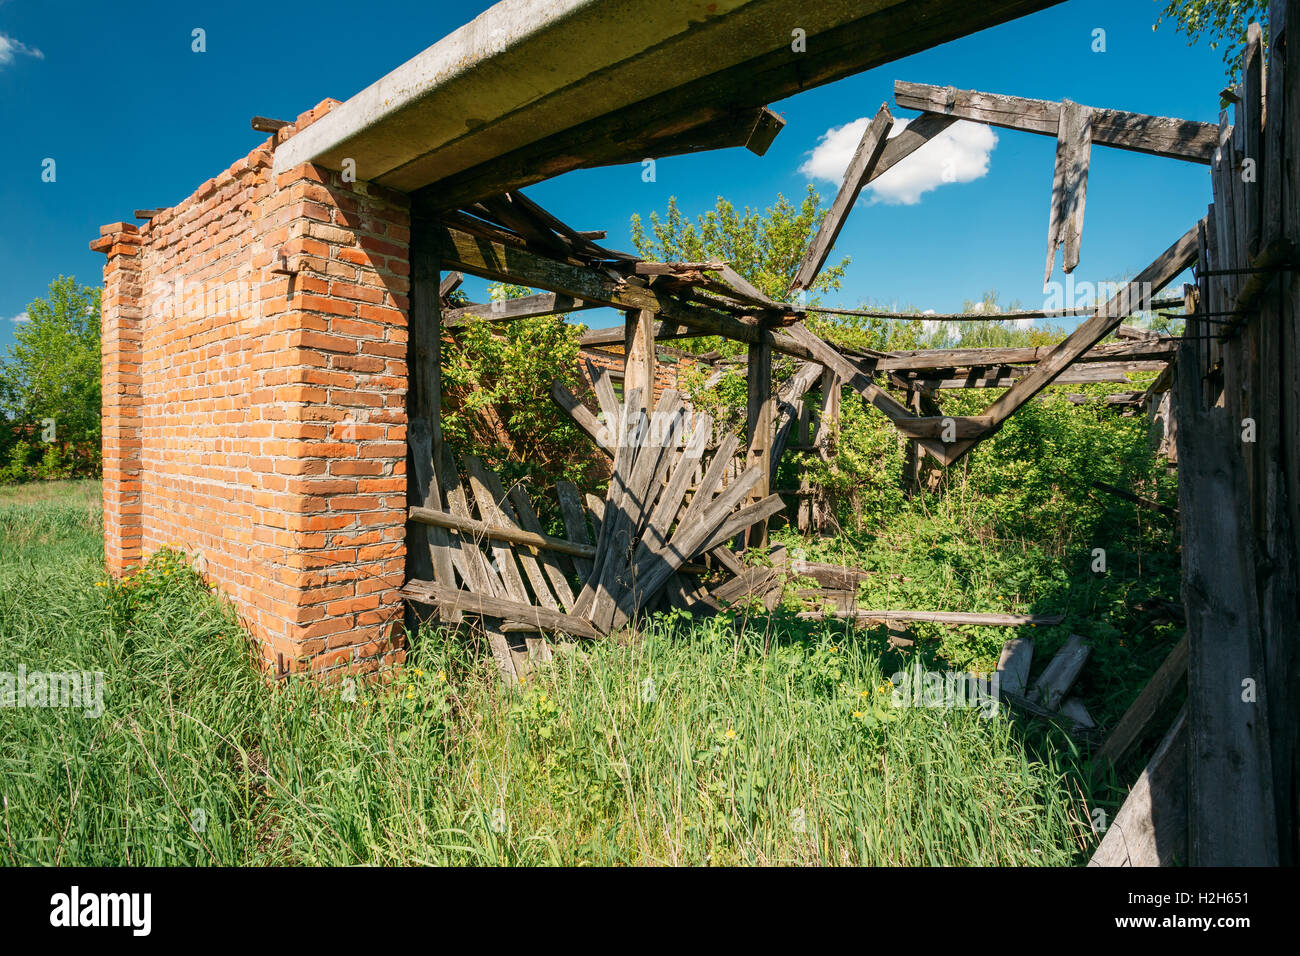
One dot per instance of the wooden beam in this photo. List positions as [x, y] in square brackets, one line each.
[582, 417]
[1158, 135]
[484, 605]
[944, 427]
[504, 261]
[941, 617]
[858, 173]
[429, 551]
[264, 124]
[639, 349]
[508, 310]
[1151, 280]
[760, 417]
[930, 359]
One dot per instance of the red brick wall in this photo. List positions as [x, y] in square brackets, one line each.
[257, 419]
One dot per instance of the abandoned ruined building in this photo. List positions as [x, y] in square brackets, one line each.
[271, 347]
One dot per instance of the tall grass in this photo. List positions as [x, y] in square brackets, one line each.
[772, 742]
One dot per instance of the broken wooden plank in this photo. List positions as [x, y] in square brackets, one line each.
[1151, 280]
[1231, 807]
[1158, 135]
[583, 417]
[972, 358]
[1133, 726]
[508, 310]
[575, 525]
[1070, 186]
[1150, 828]
[946, 617]
[1061, 672]
[1014, 664]
[484, 605]
[859, 171]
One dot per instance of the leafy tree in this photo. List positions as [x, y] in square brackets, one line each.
[497, 388]
[50, 382]
[1222, 22]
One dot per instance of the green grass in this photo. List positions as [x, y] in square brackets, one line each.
[768, 743]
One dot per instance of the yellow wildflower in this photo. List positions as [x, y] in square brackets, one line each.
[730, 734]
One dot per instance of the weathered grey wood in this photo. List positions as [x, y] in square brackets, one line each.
[1160, 135]
[1231, 809]
[610, 409]
[546, 563]
[626, 514]
[1014, 663]
[860, 382]
[1135, 723]
[760, 414]
[858, 173]
[669, 503]
[1151, 280]
[1070, 186]
[428, 549]
[582, 417]
[648, 577]
[1073, 709]
[944, 427]
[753, 582]
[490, 509]
[946, 617]
[989, 358]
[712, 478]
[509, 310]
[639, 365]
[1058, 677]
[1151, 827]
[575, 525]
[484, 605]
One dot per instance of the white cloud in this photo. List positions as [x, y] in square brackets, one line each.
[21, 317]
[960, 154]
[9, 48]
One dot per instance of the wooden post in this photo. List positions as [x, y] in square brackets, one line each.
[828, 434]
[761, 423]
[912, 453]
[428, 553]
[639, 368]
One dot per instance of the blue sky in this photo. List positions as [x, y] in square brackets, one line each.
[133, 118]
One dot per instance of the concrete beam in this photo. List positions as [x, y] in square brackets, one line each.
[525, 71]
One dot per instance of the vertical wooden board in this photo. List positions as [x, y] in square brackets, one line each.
[468, 558]
[639, 351]
[547, 559]
[1014, 664]
[500, 648]
[1079, 120]
[760, 421]
[1230, 804]
[489, 511]
[428, 548]
[1069, 186]
[575, 523]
